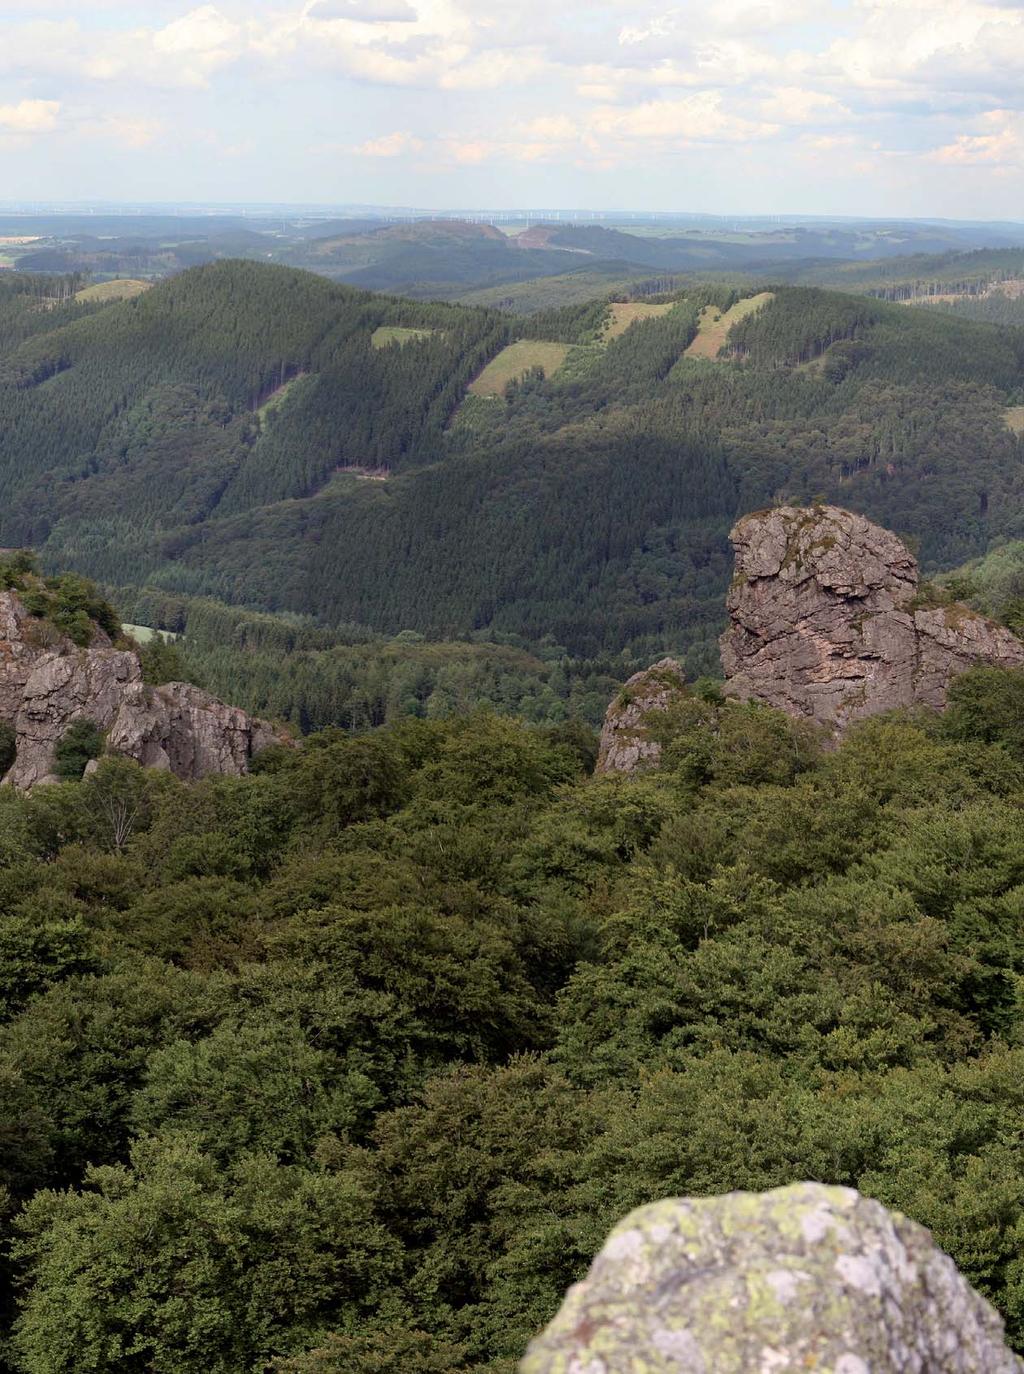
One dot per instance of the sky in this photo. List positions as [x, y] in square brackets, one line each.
[851, 107]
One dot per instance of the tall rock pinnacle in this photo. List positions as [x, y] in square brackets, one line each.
[826, 620]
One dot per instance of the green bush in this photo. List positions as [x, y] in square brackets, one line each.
[15, 566]
[83, 740]
[70, 603]
[986, 705]
[8, 746]
[162, 661]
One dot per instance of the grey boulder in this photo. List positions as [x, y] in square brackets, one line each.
[807, 1277]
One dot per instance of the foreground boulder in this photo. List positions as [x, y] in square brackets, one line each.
[47, 683]
[827, 621]
[626, 744]
[803, 1278]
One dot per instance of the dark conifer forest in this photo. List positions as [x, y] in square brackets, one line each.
[267, 438]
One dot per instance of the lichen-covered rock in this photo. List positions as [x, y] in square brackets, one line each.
[804, 1278]
[625, 743]
[824, 620]
[46, 683]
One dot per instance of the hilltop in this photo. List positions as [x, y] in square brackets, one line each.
[213, 437]
[445, 258]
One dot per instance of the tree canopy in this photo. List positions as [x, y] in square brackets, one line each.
[350, 1064]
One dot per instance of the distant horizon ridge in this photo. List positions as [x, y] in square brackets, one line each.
[258, 208]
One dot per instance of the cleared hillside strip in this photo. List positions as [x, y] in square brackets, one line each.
[714, 324]
[122, 289]
[515, 361]
[622, 314]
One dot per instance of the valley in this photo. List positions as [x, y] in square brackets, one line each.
[511, 687]
[188, 440]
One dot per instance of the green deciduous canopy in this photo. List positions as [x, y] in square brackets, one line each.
[351, 1064]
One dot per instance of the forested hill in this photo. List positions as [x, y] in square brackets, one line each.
[263, 436]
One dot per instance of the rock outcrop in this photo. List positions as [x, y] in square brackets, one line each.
[827, 622]
[47, 683]
[807, 1277]
[625, 742]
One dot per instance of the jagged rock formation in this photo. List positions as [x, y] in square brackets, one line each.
[625, 744]
[827, 622]
[46, 683]
[805, 1277]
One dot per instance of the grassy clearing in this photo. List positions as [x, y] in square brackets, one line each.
[397, 334]
[1015, 419]
[145, 634]
[515, 361]
[123, 289]
[714, 325]
[624, 313]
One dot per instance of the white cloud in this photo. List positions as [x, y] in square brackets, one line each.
[577, 85]
[698, 118]
[999, 144]
[365, 11]
[188, 51]
[940, 47]
[800, 105]
[553, 128]
[204, 30]
[29, 117]
[677, 25]
[389, 145]
[128, 130]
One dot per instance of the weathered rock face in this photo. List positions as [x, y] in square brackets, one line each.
[625, 744]
[824, 622]
[46, 683]
[805, 1277]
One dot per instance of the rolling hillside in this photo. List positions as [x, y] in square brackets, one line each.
[210, 438]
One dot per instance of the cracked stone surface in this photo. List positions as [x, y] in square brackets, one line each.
[46, 683]
[824, 625]
[807, 1277]
[625, 745]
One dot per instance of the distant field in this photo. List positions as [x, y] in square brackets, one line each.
[396, 333]
[145, 634]
[515, 361]
[625, 313]
[1015, 419]
[714, 326]
[123, 289]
